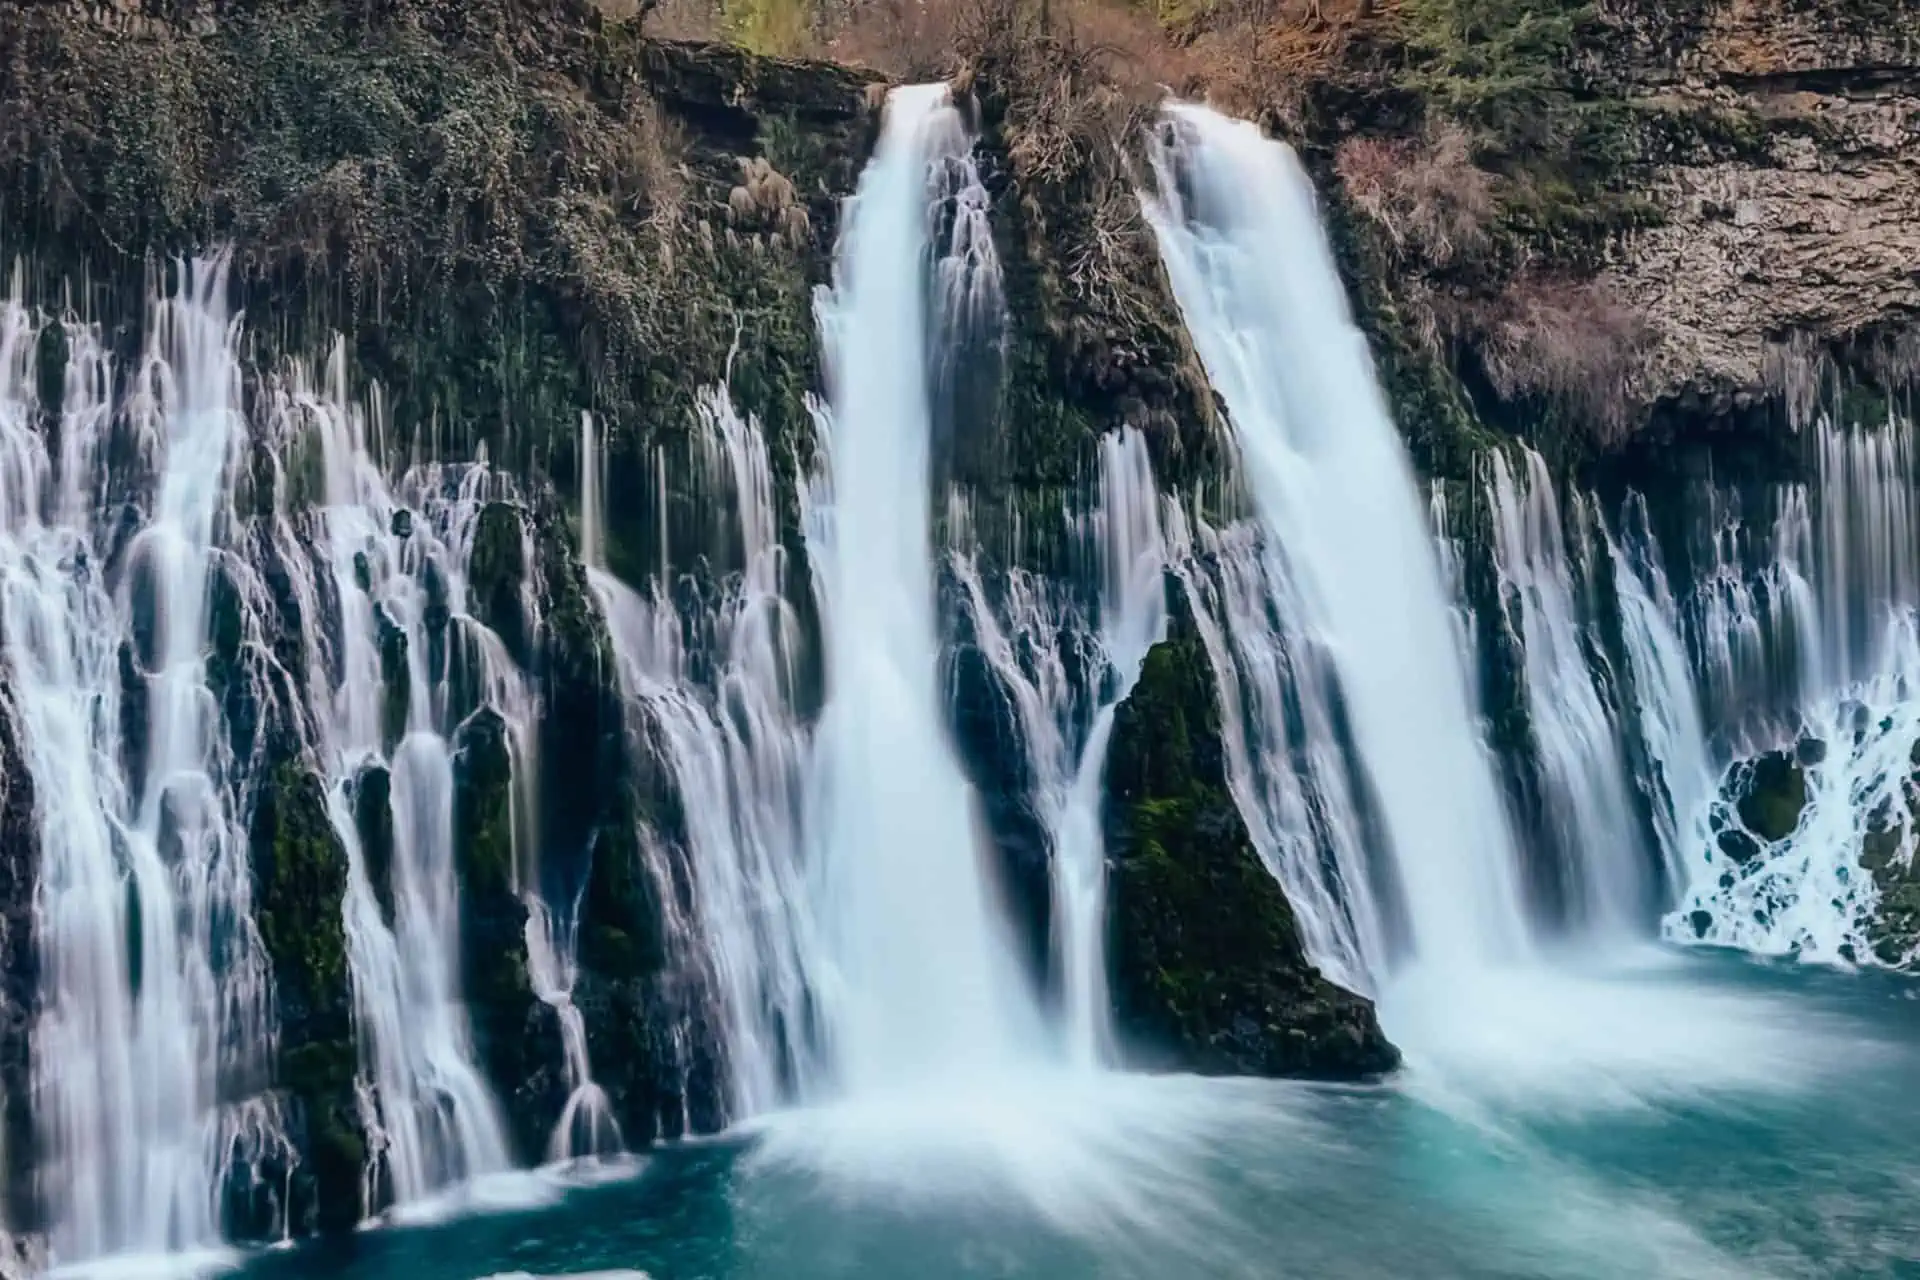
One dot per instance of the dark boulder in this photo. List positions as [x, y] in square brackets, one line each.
[1208, 971]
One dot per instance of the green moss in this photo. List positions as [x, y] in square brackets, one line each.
[497, 574]
[1208, 971]
[483, 807]
[300, 871]
[493, 958]
[513, 212]
[1775, 795]
[302, 875]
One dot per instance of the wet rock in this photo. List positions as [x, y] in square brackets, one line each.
[493, 920]
[1738, 845]
[19, 974]
[1208, 971]
[1772, 794]
[300, 884]
[372, 795]
[496, 574]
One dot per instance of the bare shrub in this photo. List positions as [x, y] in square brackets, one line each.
[673, 19]
[905, 39]
[1429, 197]
[1567, 342]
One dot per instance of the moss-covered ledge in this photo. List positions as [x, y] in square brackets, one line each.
[1208, 971]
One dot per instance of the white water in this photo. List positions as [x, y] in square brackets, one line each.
[1577, 743]
[432, 1118]
[155, 1033]
[1666, 695]
[1825, 608]
[736, 755]
[1272, 676]
[1241, 241]
[1067, 734]
[922, 983]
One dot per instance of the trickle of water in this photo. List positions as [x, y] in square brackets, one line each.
[1823, 608]
[1576, 739]
[1278, 702]
[392, 568]
[1665, 694]
[1067, 728]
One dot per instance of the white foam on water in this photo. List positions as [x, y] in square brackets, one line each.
[1639, 1030]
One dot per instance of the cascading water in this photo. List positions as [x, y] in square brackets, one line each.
[1241, 242]
[383, 709]
[1277, 703]
[1824, 608]
[922, 982]
[1067, 749]
[1665, 692]
[1576, 737]
[735, 754]
[1329, 629]
[152, 1046]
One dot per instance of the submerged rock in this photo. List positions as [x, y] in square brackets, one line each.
[1207, 966]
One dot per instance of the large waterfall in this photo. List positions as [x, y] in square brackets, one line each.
[294, 706]
[923, 981]
[1351, 562]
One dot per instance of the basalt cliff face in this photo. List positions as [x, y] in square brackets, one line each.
[1787, 191]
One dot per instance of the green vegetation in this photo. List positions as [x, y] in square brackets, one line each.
[1500, 64]
[1208, 969]
[300, 875]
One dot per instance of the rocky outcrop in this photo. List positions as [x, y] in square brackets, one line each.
[19, 978]
[1784, 150]
[300, 875]
[1208, 972]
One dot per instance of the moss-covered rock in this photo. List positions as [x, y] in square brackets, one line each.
[372, 795]
[504, 1012]
[1208, 972]
[1772, 794]
[1094, 340]
[20, 996]
[497, 574]
[300, 874]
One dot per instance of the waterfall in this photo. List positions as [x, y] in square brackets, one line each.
[1670, 723]
[1576, 738]
[1024, 641]
[735, 755]
[1241, 241]
[1278, 703]
[385, 711]
[155, 1034]
[923, 983]
[1823, 608]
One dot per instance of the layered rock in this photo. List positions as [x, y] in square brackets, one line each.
[1784, 152]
